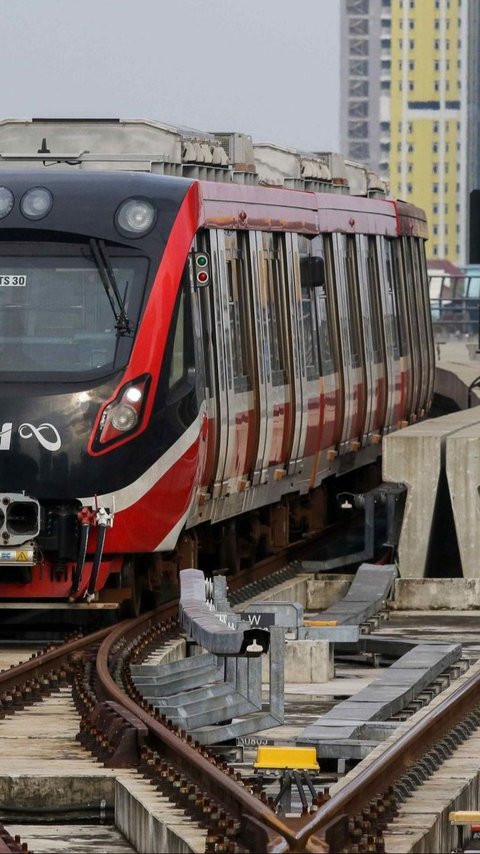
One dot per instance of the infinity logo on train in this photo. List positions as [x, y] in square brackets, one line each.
[43, 433]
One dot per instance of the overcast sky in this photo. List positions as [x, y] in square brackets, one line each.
[265, 67]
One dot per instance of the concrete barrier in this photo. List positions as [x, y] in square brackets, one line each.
[416, 456]
[463, 475]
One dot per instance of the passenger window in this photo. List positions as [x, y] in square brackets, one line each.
[316, 326]
[330, 308]
[326, 355]
[352, 301]
[392, 302]
[394, 253]
[374, 299]
[274, 316]
[239, 310]
[309, 318]
[181, 340]
[411, 293]
[177, 363]
[421, 288]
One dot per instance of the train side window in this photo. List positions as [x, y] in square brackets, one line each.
[237, 275]
[177, 362]
[392, 302]
[182, 353]
[316, 321]
[275, 268]
[420, 289]
[309, 315]
[329, 308]
[352, 300]
[410, 289]
[326, 355]
[394, 253]
[373, 279]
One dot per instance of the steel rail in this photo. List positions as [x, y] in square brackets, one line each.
[396, 759]
[42, 663]
[237, 799]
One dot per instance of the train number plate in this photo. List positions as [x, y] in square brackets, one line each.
[13, 281]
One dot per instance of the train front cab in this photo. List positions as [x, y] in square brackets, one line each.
[281, 374]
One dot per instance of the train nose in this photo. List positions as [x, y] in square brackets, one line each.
[19, 519]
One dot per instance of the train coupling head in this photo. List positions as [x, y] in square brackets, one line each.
[19, 519]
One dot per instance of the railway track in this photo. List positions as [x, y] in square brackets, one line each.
[119, 727]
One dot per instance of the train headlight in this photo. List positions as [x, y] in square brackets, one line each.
[135, 217]
[36, 203]
[6, 201]
[122, 417]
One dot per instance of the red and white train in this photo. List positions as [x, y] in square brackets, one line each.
[191, 361]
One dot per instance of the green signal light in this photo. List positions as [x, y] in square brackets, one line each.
[202, 260]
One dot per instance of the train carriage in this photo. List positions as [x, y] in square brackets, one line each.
[187, 365]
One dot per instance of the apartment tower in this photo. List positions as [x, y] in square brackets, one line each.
[410, 91]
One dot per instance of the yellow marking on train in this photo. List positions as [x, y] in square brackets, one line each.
[22, 556]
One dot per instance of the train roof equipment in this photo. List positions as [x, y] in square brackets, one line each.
[149, 146]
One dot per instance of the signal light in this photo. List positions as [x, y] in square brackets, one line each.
[202, 269]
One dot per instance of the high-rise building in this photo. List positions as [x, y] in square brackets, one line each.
[410, 91]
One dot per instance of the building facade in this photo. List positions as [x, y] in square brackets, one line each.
[423, 106]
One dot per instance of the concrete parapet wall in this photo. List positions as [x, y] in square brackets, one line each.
[305, 661]
[41, 792]
[315, 593]
[450, 385]
[151, 823]
[293, 590]
[416, 456]
[325, 590]
[430, 594]
[463, 474]
[413, 457]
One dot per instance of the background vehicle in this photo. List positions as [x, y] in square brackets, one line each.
[191, 362]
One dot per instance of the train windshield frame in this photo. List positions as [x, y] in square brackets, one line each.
[63, 310]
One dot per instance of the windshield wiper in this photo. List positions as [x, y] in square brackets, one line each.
[109, 282]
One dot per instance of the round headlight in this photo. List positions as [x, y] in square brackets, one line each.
[135, 216]
[123, 417]
[36, 203]
[6, 201]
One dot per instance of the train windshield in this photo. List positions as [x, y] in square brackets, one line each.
[65, 309]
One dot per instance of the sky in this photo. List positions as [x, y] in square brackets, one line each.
[269, 68]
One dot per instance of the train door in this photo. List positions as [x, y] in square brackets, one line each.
[214, 372]
[320, 383]
[273, 354]
[229, 310]
[375, 367]
[300, 354]
[353, 363]
[228, 356]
